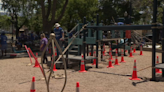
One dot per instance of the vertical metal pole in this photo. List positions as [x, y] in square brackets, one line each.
[130, 14]
[87, 49]
[101, 45]
[124, 46]
[163, 43]
[12, 32]
[12, 37]
[129, 43]
[84, 36]
[97, 41]
[92, 23]
[66, 44]
[78, 29]
[79, 37]
[154, 39]
[111, 45]
[117, 47]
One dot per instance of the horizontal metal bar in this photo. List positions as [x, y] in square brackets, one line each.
[122, 27]
[159, 66]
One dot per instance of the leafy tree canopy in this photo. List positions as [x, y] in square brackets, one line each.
[20, 11]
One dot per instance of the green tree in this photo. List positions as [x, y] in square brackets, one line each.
[19, 11]
[77, 10]
[146, 6]
[116, 9]
[4, 22]
[35, 22]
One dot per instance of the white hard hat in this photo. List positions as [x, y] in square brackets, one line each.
[57, 25]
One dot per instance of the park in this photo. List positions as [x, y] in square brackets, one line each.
[95, 52]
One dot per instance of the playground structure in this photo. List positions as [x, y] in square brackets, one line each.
[90, 34]
[155, 26]
[87, 40]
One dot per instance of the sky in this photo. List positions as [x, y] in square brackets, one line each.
[1, 6]
[1, 11]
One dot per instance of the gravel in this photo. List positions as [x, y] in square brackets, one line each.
[16, 76]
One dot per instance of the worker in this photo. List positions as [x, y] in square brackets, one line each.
[59, 34]
[3, 43]
[44, 42]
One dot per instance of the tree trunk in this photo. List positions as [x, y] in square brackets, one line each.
[47, 27]
[17, 32]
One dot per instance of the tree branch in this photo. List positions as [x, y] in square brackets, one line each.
[63, 10]
[53, 11]
[16, 17]
[10, 20]
[49, 9]
[22, 24]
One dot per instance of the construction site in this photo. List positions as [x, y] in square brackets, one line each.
[93, 56]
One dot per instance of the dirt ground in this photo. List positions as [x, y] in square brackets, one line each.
[16, 77]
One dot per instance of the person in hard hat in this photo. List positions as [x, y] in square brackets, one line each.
[44, 42]
[59, 34]
[3, 44]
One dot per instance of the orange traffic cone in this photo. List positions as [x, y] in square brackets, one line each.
[122, 56]
[77, 87]
[49, 51]
[141, 50]
[126, 50]
[110, 63]
[116, 49]
[103, 56]
[110, 48]
[33, 85]
[104, 51]
[157, 70]
[54, 68]
[116, 60]
[89, 53]
[134, 49]
[94, 60]
[111, 57]
[131, 54]
[134, 75]
[82, 68]
[36, 61]
[110, 54]
[55, 52]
